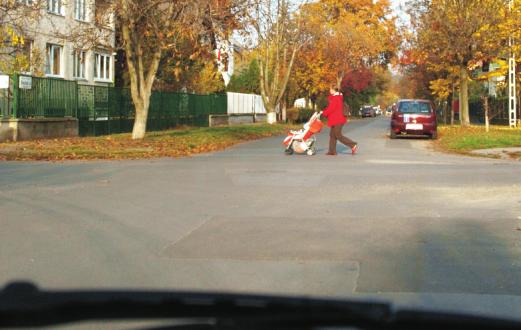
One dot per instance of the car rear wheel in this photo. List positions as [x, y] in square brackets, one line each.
[393, 135]
[434, 135]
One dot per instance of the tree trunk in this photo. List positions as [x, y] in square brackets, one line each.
[283, 112]
[140, 122]
[452, 106]
[445, 111]
[339, 79]
[464, 98]
[451, 115]
[485, 108]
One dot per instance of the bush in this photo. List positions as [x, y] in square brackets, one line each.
[292, 114]
[322, 102]
[305, 114]
[299, 115]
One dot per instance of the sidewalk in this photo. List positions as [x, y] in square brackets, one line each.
[503, 153]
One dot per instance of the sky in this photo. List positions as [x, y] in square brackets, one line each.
[398, 6]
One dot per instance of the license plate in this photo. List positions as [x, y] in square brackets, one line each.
[414, 127]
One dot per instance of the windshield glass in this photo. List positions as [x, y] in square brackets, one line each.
[414, 107]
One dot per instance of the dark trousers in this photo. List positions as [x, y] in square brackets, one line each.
[336, 134]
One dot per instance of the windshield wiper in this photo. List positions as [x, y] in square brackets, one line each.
[24, 305]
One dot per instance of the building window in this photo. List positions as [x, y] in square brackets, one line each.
[79, 64]
[53, 59]
[26, 2]
[102, 66]
[79, 10]
[55, 7]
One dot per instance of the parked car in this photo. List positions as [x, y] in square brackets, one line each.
[377, 110]
[414, 117]
[368, 111]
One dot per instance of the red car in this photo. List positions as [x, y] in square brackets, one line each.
[414, 117]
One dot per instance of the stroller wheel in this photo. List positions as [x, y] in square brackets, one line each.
[289, 151]
[310, 152]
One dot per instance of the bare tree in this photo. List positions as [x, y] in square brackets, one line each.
[280, 35]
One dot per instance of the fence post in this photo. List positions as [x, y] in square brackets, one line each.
[15, 96]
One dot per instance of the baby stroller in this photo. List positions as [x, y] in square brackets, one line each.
[304, 140]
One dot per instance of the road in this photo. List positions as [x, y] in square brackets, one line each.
[397, 219]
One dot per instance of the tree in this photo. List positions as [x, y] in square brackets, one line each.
[246, 80]
[455, 34]
[480, 89]
[150, 28]
[442, 89]
[350, 39]
[356, 33]
[279, 35]
[313, 74]
[189, 67]
[364, 85]
[17, 20]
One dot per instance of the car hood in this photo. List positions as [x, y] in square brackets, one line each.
[490, 305]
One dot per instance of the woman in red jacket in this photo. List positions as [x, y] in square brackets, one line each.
[336, 120]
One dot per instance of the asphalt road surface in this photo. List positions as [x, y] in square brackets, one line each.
[396, 220]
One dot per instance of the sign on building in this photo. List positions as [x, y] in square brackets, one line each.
[25, 82]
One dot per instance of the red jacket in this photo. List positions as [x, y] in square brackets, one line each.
[334, 111]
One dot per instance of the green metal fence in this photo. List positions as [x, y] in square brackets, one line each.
[109, 110]
[105, 110]
[46, 97]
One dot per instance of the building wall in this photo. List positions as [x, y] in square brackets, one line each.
[51, 27]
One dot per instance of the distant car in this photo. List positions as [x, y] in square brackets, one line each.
[389, 111]
[368, 111]
[414, 117]
[377, 111]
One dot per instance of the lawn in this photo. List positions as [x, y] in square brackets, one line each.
[465, 139]
[172, 143]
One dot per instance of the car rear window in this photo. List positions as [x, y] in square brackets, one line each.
[414, 107]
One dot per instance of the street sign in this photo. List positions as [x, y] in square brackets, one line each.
[25, 82]
[4, 81]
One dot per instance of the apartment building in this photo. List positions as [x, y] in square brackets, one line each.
[75, 40]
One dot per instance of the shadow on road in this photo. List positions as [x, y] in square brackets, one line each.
[460, 256]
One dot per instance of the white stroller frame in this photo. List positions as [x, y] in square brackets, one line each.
[295, 141]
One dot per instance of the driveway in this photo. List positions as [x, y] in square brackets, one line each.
[396, 219]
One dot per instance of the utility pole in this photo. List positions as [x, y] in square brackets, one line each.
[512, 106]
